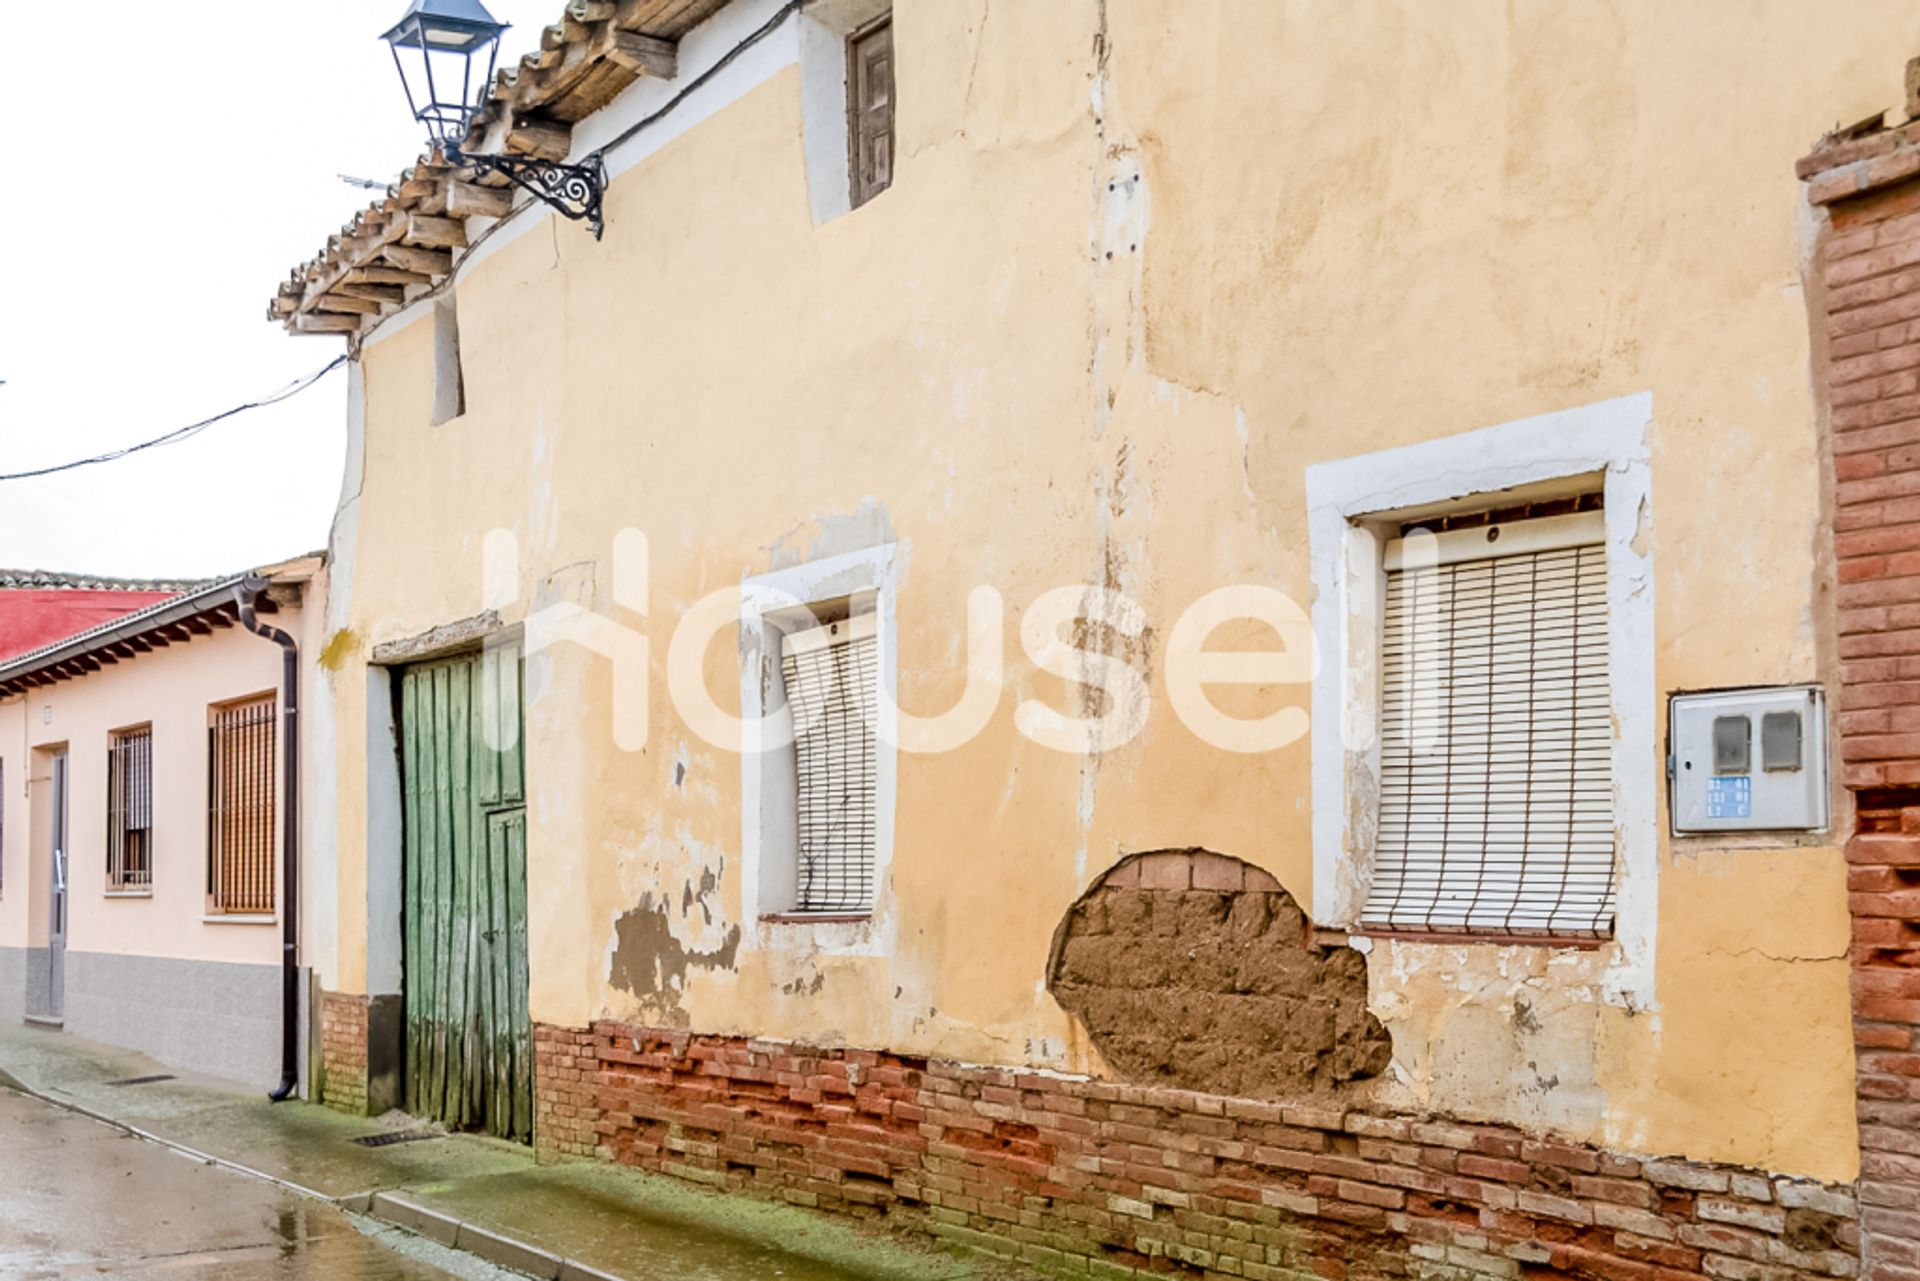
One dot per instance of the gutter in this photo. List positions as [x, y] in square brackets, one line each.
[246, 593]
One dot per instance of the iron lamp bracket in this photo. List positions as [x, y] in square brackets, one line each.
[572, 190]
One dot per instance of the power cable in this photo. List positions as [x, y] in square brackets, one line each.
[192, 429]
[720, 64]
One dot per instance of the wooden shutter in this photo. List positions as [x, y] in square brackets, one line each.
[1496, 804]
[830, 674]
[870, 110]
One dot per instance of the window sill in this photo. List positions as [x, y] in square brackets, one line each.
[1576, 942]
[129, 893]
[239, 918]
[816, 918]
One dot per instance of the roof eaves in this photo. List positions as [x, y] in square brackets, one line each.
[160, 614]
[401, 248]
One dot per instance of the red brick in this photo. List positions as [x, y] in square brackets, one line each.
[1197, 1166]
[1475, 1166]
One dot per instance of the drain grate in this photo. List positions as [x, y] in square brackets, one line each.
[144, 1080]
[392, 1137]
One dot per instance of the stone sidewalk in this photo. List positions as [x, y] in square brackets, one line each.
[575, 1221]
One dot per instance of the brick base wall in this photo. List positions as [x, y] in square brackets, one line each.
[343, 1052]
[1083, 1176]
[565, 1072]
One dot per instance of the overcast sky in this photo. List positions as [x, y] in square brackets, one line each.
[159, 187]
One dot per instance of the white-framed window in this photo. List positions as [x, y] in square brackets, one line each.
[1379, 840]
[818, 760]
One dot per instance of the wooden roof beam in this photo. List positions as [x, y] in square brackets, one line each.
[468, 200]
[386, 276]
[644, 55]
[435, 233]
[386, 295]
[324, 324]
[338, 301]
[431, 263]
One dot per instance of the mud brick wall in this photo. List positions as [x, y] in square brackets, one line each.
[343, 1052]
[1866, 280]
[1071, 1175]
[564, 1092]
[1244, 1005]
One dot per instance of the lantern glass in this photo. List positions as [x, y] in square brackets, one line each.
[445, 51]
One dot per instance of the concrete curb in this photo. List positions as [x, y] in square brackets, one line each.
[457, 1234]
[13, 1083]
[389, 1208]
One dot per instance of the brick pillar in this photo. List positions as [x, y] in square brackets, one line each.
[1866, 282]
[343, 1052]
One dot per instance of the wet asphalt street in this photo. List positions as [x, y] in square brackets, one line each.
[82, 1199]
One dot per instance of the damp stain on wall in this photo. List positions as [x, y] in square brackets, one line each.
[652, 965]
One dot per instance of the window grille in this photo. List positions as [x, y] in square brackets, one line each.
[830, 674]
[1496, 749]
[130, 810]
[241, 774]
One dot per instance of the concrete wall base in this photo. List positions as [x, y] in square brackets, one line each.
[13, 982]
[203, 1016]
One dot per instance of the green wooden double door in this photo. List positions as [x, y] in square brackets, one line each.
[469, 1040]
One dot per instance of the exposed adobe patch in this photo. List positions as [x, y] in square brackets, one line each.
[1195, 970]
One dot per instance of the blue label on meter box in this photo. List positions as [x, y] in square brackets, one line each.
[1730, 796]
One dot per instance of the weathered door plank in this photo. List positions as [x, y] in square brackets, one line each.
[469, 1043]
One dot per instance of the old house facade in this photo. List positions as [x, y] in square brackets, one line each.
[142, 900]
[948, 361]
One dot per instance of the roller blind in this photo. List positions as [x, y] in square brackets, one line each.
[830, 674]
[1496, 804]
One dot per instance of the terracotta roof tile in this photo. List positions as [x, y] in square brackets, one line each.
[49, 580]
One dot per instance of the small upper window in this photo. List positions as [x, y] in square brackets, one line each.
[870, 109]
[449, 377]
[130, 810]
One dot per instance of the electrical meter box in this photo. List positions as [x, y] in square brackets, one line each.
[1749, 760]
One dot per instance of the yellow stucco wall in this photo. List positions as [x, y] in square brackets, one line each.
[1364, 225]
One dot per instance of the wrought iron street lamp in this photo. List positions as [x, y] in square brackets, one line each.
[438, 47]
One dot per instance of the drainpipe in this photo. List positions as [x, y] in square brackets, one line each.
[246, 594]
